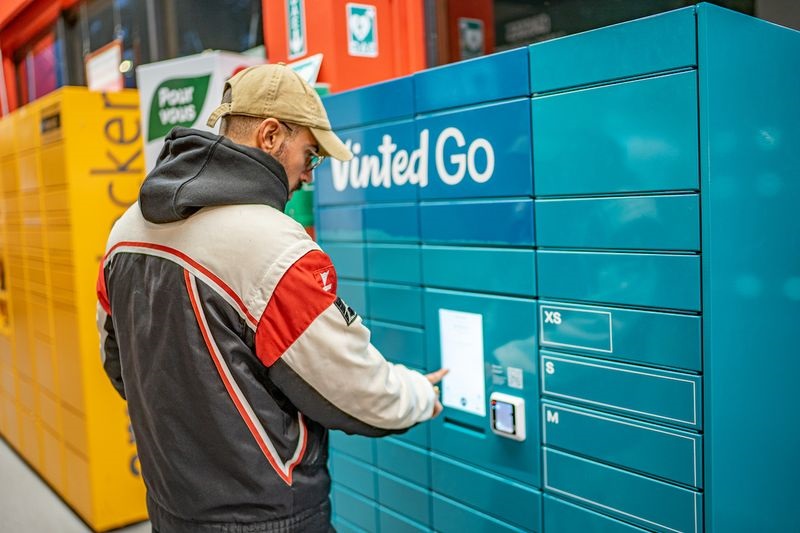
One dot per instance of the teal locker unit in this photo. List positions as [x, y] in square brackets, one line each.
[659, 177]
[630, 269]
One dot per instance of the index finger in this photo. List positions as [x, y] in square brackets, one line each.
[436, 377]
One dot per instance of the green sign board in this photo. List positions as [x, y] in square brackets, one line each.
[176, 102]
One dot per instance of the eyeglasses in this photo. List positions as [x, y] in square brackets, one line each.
[313, 159]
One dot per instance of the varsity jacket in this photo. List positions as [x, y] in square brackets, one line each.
[221, 327]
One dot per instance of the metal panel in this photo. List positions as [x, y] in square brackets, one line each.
[652, 44]
[628, 137]
[563, 517]
[409, 500]
[391, 522]
[632, 222]
[650, 503]
[509, 345]
[512, 502]
[651, 280]
[653, 338]
[452, 517]
[355, 475]
[405, 461]
[401, 304]
[348, 259]
[340, 224]
[375, 174]
[751, 233]
[367, 105]
[394, 263]
[667, 397]
[355, 509]
[354, 293]
[400, 344]
[354, 445]
[479, 152]
[498, 222]
[498, 270]
[484, 79]
[658, 451]
[394, 223]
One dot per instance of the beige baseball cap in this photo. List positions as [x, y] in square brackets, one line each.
[277, 91]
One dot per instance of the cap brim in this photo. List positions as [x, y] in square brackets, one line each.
[331, 145]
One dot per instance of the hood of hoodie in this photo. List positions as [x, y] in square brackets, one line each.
[197, 169]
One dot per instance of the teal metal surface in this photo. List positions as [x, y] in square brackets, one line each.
[485, 79]
[667, 397]
[391, 522]
[348, 259]
[478, 152]
[340, 224]
[354, 293]
[629, 222]
[394, 263]
[647, 448]
[662, 156]
[628, 137]
[514, 503]
[418, 435]
[368, 176]
[410, 501]
[649, 280]
[355, 509]
[467, 222]
[367, 105]
[653, 44]
[356, 446]
[751, 245]
[400, 344]
[356, 475]
[452, 517]
[343, 526]
[395, 223]
[399, 304]
[651, 338]
[405, 461]
[494, 270]
[642, 500]
[563, 517]
[509, 341]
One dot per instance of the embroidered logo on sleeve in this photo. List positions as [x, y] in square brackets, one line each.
[326, 277]
[347, 312]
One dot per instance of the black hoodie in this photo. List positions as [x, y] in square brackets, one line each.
[195, 169]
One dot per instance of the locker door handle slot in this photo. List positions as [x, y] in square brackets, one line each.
[459, 425]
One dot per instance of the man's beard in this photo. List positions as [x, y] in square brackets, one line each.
[280, 155]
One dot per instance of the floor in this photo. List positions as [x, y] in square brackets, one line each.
[28, 504]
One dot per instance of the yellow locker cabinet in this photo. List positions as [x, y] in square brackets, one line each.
[70, 164]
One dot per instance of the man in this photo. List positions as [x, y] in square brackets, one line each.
[220, 324]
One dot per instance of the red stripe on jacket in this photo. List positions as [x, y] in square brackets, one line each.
[102, 293]
[306, 289]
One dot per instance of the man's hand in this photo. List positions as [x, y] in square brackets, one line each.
[434, 378]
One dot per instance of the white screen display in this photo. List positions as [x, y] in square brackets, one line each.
[461, 342]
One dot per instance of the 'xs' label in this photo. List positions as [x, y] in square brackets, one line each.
[552, 317]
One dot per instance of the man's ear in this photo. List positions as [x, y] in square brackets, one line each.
[269, 135]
